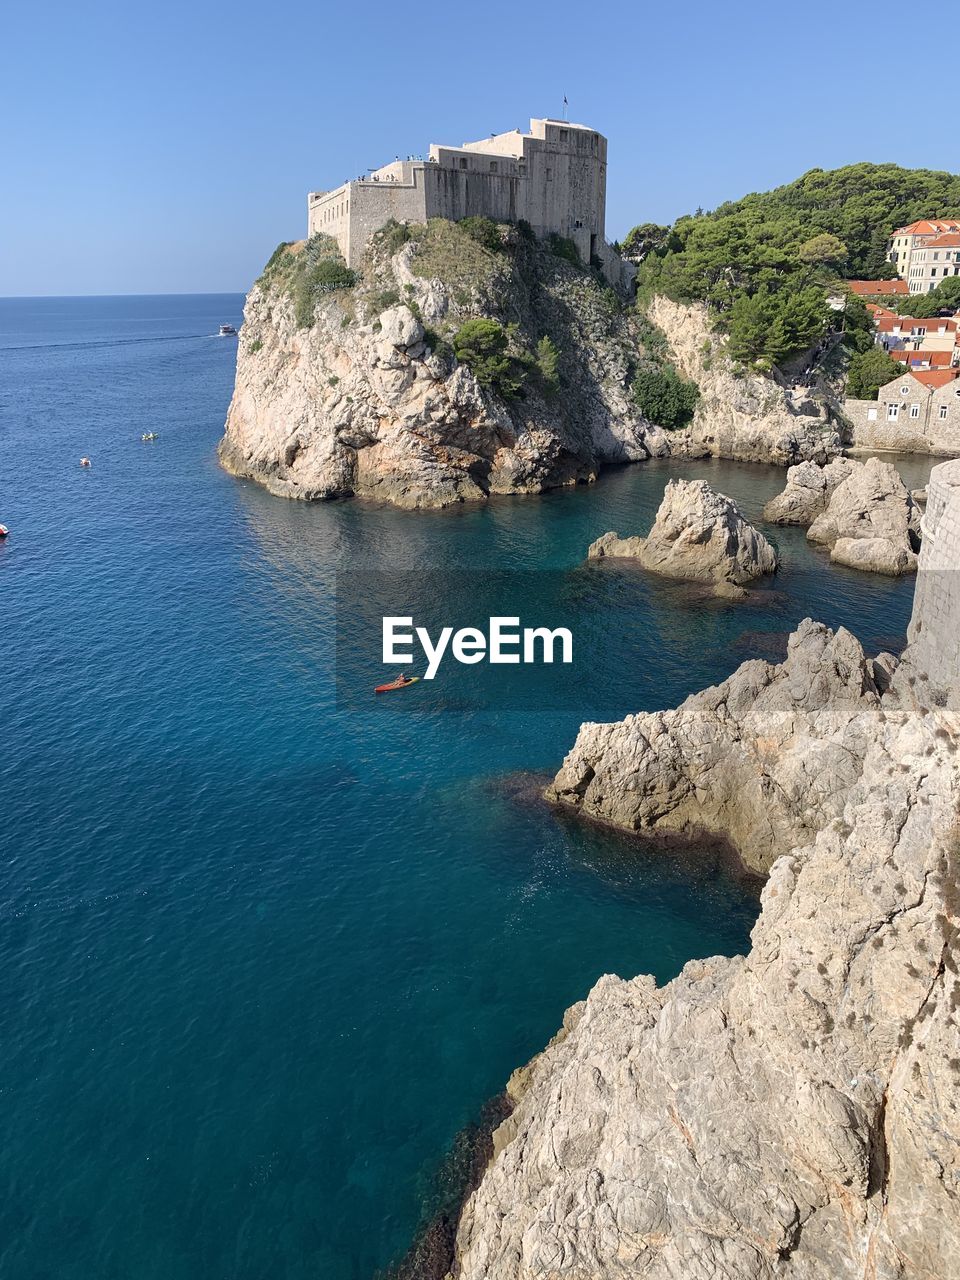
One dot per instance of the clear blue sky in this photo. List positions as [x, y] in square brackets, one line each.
[168, 147]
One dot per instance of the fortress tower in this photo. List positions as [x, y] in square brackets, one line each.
[554, 177]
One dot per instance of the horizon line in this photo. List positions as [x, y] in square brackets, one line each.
[199, 293]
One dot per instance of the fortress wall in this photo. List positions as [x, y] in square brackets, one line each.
[328, 213]
[374, 203]
[934, 633]
[455, 194]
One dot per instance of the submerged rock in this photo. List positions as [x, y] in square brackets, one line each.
[698, 534]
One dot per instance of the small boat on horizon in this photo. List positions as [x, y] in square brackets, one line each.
[84, 462]
[227, 331]
[4, 531]
[150, 435]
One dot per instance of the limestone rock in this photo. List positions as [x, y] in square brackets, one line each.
[762, 761]
[808, 490]
[875, 555]
[872, 503]
[740, 415]
[698, 534]
[791, 1114]
[360, 402]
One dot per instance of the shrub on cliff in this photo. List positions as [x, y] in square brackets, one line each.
[547, 361]
[485, 231]
[664, 397]
[307, 272]
[869, 371]
[482, 345]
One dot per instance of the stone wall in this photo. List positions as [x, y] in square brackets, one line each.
[907, 417]
[553, 177]
[935, 625]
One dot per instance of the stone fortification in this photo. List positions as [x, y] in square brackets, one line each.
[554, 178]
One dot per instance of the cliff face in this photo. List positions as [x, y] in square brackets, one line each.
[745, 416]
[360, 393]
[793, 1113]
[369, 400]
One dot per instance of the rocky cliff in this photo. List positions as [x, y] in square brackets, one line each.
[361, 393]
[350, 384]
[741, 415]
[795, 1112]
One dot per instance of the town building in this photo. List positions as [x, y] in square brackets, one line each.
[918, 411]
[554, 178]
[908, 333]
[925, 251]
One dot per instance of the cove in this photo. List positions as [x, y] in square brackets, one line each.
[263, 956]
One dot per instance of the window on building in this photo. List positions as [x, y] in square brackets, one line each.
[549, 175]
[493, 166]
[463, 162]
[943, 412]
[914, 411]
[871, 415]
[563, 135]
[893, 411]
[904, 391]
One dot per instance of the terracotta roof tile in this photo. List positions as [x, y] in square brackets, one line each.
[867, 288]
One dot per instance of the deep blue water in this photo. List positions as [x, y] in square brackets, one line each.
[262, 956]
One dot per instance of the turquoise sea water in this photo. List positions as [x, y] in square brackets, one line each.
[264, 956]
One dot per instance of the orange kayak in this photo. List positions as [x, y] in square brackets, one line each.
[395, 684]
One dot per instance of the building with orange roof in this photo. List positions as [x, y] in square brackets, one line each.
[908, 333]
[926, 359]
[918, 412]
[925, 251]
[877, 288]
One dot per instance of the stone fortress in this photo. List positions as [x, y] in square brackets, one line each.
[554, 178]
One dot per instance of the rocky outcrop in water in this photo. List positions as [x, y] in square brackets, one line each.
[762, 761]
[870, 521]
[698, 534]
[808, 490]
[360, 393]
[793, 1113]
[741, 415]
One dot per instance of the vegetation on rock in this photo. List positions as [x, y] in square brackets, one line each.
[481, 345]
[664, 397]
[764, 264]
[307, 271]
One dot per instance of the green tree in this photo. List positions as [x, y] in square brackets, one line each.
[869, 371]
[945, 297]
[547, 360]
[648, 237]
[481, 345]
[824, 247]
[664, 397]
